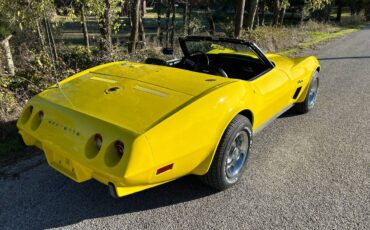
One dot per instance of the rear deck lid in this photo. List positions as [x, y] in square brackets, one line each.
[133, 96]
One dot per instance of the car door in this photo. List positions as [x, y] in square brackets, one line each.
[273, 93]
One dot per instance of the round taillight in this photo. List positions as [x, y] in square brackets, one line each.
[98, 139]
[119, 147]
[26, 114]
[36, 121]
[41, 115]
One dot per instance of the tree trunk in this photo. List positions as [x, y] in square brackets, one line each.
[41, 36]
[282, 15]
[135, 17]
[84, 26]
[263, 13]
[106, 27]
[129, 11]
[352, 5]
[339, 10]
[327, 12]
[142, 31]
[168, 14]
[186, 18]
[252, 14]
[8, 54]
[303, 13]
[172, 38]
[239, 18]
[212, 26]
[159, 15]
[189, 19]
[275, 20]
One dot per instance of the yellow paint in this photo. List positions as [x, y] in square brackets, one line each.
[163, 115]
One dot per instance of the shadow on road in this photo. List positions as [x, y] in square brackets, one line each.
[56, 201]
[342, 58]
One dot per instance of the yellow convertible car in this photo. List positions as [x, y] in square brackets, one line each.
[133, 126]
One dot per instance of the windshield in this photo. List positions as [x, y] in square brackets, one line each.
[220, 47]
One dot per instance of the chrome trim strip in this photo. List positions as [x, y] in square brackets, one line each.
[264, 125]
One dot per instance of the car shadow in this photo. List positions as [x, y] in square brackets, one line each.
[290, 113]
[61, 202]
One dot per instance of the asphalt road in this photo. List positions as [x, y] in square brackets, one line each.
[305, 172]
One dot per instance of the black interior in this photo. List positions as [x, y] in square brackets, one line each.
[223, 64]
[235, 66]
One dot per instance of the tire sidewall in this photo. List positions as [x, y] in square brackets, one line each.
[314, 77]
[245, 126]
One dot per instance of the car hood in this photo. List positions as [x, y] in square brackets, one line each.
[131, 95]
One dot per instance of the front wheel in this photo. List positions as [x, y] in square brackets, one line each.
[232, 153]
[312, 91]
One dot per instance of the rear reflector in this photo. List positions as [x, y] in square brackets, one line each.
[164, 169]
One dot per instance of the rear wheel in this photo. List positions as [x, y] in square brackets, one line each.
[232, 153]
[311, 95]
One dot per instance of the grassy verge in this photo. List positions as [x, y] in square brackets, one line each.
[291, 40]
[315, 38]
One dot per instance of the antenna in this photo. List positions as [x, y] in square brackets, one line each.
[54, 56]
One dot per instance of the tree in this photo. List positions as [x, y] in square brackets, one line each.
[173, 9]
[85, 32]
[212, 25]
[339, 10]
[158, 7]
[135, 17]
[252, 14]
[239, 18]
[107, 12]
[276, 11]
[186, 17]
[262, 7]
[17, 15]
[8, 54]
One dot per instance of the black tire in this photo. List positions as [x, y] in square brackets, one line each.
[307, 105]
[219, 176]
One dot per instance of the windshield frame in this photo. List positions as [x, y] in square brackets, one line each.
[250, 45]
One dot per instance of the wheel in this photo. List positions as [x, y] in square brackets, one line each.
[231, 155]
[310, 99]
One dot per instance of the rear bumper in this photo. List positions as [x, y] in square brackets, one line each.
[67, 139]
[80, 173]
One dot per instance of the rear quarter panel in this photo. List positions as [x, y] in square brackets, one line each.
[189, 137]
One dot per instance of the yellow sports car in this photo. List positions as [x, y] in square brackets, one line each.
[133, 126]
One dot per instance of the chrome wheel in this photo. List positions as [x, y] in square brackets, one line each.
[237, 155]
[312, 94]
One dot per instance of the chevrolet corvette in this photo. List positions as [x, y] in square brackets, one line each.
[133, 126]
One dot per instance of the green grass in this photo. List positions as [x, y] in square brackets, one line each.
[315, 38]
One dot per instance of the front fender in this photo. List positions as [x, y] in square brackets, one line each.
[308, 66]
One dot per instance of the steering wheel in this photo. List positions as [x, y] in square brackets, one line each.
[199, 61]
[213, 70]
[197, 58]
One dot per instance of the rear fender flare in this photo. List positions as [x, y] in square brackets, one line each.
[206, 164]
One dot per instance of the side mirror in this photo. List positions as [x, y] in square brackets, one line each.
[167, 51]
